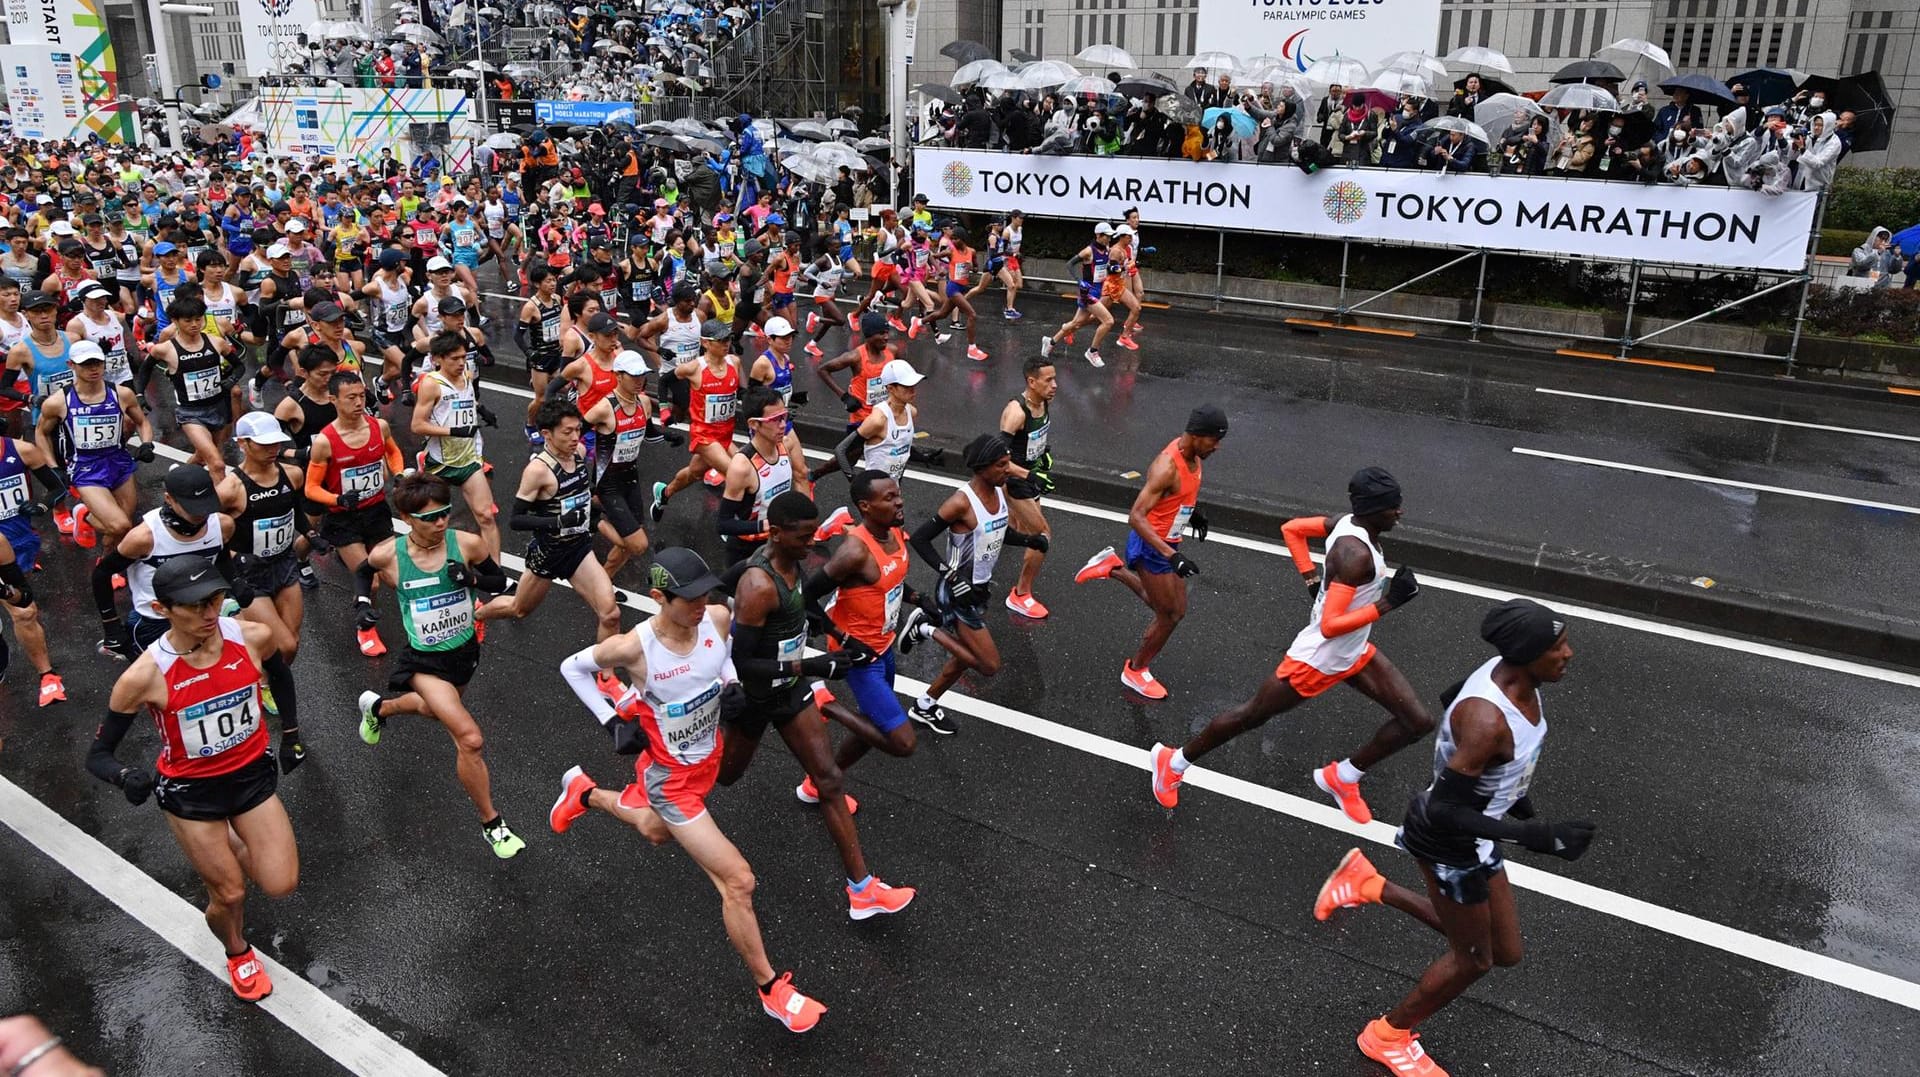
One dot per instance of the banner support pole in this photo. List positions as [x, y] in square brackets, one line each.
[1479, 294]
[1219, 270]
[1340, 304]
[1806, 284]
[1633, 296]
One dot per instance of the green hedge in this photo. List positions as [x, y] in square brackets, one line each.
[1889, 314]
[1866, 198]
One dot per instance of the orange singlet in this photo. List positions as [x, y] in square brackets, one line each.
[1168, 518]
[870, 612]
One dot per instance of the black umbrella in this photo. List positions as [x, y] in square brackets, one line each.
[1488, 86]
[965, 52]
[1866, 97]
[671, 143]
[1704, 89]
[938, 92]
[1148, 85]
[1022, 56]
[1766, 85]
[1588, 71]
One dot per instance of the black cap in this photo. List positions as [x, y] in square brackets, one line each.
[192, 489]
[1372, 490]
[982, 452]
[1207, 421]
[602, 322]
[453, 304]
[38, 299]
[188, 580]
[715, 329]
[328, 312]
[681, 573]
[873, 324]
[1522, 629]
[72, 246]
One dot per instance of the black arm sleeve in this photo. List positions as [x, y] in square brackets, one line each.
[1019, 538]
[113, 564]
[53, 485]
[733, 518]
[848, 452]
[1450, 806]
[524, 518]
[746, 640]
[280, 682]
[16, 579]
[488, 576]
[557, 386]
[100, 761]
[523, 334]
[1522, 808]
[923, 537]
[363, 578]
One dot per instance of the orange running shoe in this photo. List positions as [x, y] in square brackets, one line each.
[877, 899]
[713, 478]
[813, 348]
[834, 525]
[63, 520]
[807, 794]
[52, 689]
[84, 536]
[1346, 887]
[1099, 568]
[249, 976]
[1126, 342]
[822, 696]
[898, 325]
[1141, 681]
[1166, 780]
[1345, 794]
[785, 1004]
[975, 353]
[1398, 1050]
[370, 644]
[574, 785]
[1026, 605]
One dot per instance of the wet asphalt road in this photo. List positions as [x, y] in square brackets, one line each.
[1066, 924]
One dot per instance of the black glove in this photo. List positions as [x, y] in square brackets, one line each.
[35, 508]
[349, 500]
[1313, 587]
[960, 588]
[487, 416]
[462, 431]
[798, 399]
[317, 545]
[1197, 525]
[1568, 840]
[858, 653]
[828, 667]
[575, 517]
[1403, 588]
[143, 452]
[628, 737]
[733, 703]
[136, 784]
[1184, 566]
[116, 638]
[365, 616]
[292, 752]
[240, 590]
[459, 574]
[1522, 809]
[852, 402]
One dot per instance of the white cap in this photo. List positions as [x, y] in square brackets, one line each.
[296, 225]
[631, 362]
[43, 200]
[278, 250]
[779, 327]
[1124, 230]
[94, 290]
[85, 351]
[899, 372]
[1103, 229]
[438, 262]
[63, 228]
[261, 428]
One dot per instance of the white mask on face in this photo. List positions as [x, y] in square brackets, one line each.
[1817, 101]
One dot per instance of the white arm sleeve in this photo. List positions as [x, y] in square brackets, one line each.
[578, 669]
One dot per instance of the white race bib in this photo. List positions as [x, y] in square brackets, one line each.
[220, 724]
[363, 479]
[273, 537]
[719, 408]
[201, 384]
[94, 432]
[13, 496]
[1179, 526]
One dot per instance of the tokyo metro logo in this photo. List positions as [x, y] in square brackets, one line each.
[957, 179]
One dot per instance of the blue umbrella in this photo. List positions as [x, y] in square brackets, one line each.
[1244, 125]
[1704, 89]
[1908, 240]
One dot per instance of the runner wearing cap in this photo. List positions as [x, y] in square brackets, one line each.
[133, 257]
[1027, 421]
[773, 367]
[554, 502]
[41, 356]
[1090, 264]
[588, 379]
[768, 465]
[882, 440]
[94, 423]
[639, 279]
[682, 657]
[20, 552]
[433, 571]
[621, 423]
[390, 313]
[196, 365]
[270, 527]
[217, 776]
[867, 359]
[1483, 764]
[455, 318]
[283, 307]
[1351, 594]
[327, 328]
[713, 380]
[348, 466]
[887, 256]
[447, 412]
[1155, 569]
[974, 520]
[69, 274]
[104, 326]
[538, 335]
[188, 521]
[1122, 264]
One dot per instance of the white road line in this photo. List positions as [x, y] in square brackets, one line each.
[336, 1030]
[1731, 415]
[1597, 899]
[1473, 590]
[1690, 477]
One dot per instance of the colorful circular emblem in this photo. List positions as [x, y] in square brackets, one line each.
[1345, 202]
[957, 178]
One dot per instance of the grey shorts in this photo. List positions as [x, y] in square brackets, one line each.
[1463, 886]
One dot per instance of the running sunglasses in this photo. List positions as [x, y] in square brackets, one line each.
[776, 417]
[430, 515]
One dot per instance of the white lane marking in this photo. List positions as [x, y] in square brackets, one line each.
[1492, 594]
[1690, 477]
[1730, 415]
[339, 1033]
[1607, 902]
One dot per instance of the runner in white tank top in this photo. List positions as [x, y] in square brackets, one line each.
[680, 662]
[1334, 647]
[1484, 759]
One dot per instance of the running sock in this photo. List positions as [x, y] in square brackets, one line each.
[1370, 890]
[1348, 772]
[491, 823]
[768, 986]
[586, 798]
[859, 887]
[1179, 761]
[927, 703]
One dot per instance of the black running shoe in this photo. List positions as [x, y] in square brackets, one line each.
[934, 718]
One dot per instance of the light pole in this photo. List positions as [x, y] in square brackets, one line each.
[163, 61]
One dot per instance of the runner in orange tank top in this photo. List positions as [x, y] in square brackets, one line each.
[1154, 567]
[712, 381]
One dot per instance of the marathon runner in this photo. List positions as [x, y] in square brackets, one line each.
[712, 382]
[1483, 763]
[433, 571]
[94, 424]
[20, 552]
[1090, 265]
[774, 366]
[200, 680]
[348, 466]
[682, 655]
[270, 517]
[1027, 420]
[1122, 264]
[104, 326]
[41, 355]
[621, 423]
[825, 274]
[1154, 569]
[188, 522]
[768, 465]
[1012, 234]
[447, 412]
[538, 335]
[960, 269]
[883, 441]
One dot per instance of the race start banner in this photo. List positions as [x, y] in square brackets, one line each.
[60, 74]
[583, 113]
[1703, 226]
[1302, 31]
[349, 123]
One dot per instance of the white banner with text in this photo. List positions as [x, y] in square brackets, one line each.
[1704, 226]
[1302, 31]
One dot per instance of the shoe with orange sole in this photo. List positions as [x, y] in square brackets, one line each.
[1348, 886]
[52, 689]
[249, 976]
[806, 793]
[1026, 605]
[785, 1004]
[1141, 681]
[1345, 794]
[878, 899]
[370, 642]
[1099, 567]
[1166, 780]
[1398, 1050]
[574, 785]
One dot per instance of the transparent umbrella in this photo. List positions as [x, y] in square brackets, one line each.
[1336, 70]
[1399, 83]
[1106, 56]
[1418, 63]
[416, 32]
[1002, 80]
[838, 153]
[1085, 85]
[810, 168]
[811, 130]
[973, 72]
[1046, 73]
[1580, 95]
[1223, 61]
[1476, 58]
[1499, 110]
[505, 140]
[735, 12]
[1634, 46]
[1466, 127]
